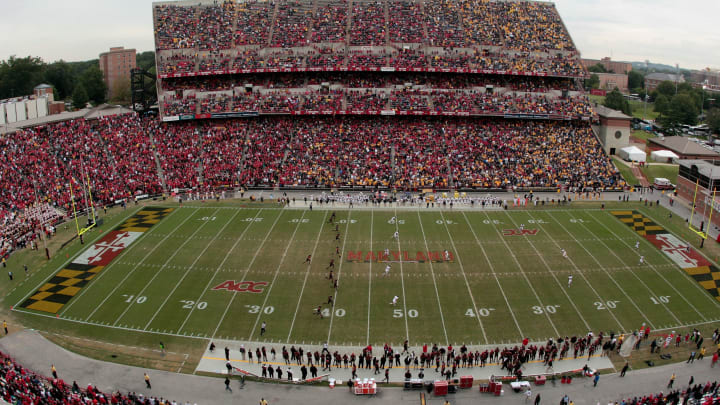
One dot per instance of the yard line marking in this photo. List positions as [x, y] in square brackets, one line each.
[497, 280]
[527, 280]
[342, 254]
[257, 251]
[608, 273]
[227, 255]
[402, 279]
[372, 218]
[462, 270]
[302, 290]
[547, 266]
[277, 271]
[78, 253]
[162, 268]
[577, 270]
[140, 263]
[197, 257]
[675, 266]
[661, 276]
[432, 273]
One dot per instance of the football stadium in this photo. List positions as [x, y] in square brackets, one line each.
[414, 187]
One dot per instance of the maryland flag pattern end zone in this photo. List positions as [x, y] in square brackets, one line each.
[67, 282]
[679, 251]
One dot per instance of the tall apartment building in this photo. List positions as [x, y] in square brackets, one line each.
[116, 65]
[609, 65]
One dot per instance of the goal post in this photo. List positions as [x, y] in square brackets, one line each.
[703, 234]
[89, 204]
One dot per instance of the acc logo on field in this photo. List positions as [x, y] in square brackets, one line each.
[242, 286]
[519, 232]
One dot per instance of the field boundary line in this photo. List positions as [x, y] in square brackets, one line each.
[577, 269]
[607, 272]
[66, 262]
[372, 220]
[307, 273]
[716, 302]
[432, 273]
[554, 276]
[492, 269]
[257, 251]
[161, 269]
[660, 275]
[135, 267]
[227, 255]
[402, 278]
[197, 257]
[462, 270]
[335, 296]
[522, 271]
[277, 271]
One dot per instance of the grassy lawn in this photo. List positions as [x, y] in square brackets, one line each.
[638, 108]
[641, 135]
[625, 172]
[665, 171]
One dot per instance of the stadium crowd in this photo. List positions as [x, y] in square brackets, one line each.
[524, 36]
[19, 385]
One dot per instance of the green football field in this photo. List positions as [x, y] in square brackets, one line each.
[220, 272]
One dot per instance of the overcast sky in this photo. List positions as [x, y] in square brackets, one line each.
[662, 31]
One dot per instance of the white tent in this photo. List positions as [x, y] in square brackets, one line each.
[632, 153]
[663, 156]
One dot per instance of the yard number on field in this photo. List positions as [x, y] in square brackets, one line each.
[345, 221]
[190, 304]
[131, 298]
[398, 313]
[255, 309]
[481, 311]
[576, 221]
[491, 221]
[207, 219]
[605, 305]
[548, 309]
[661, 299]
[253, 219]
[300, 220]
[338, 312]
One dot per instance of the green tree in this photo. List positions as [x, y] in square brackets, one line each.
[682, 110]
[666, 88]
[92, 81]
[593, 82]
[713, 119]
[662, 104]
[636, 80]
[18, 76]
[60, 75]
[145, 60]
[121, 91]
[616, 101]
[79, 96]
[597, 68]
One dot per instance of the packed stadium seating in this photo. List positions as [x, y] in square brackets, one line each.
[519, 36]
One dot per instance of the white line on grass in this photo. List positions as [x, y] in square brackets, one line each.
[467, 284]
[527, 280]
[402, 279]
[372, 217]
[607, 272]
[432, 273]
[342, 254]
[277, 271]
[307, 273]
[716, 302]
[577, 269]
[167, 297]
[78, 253]
[547, 266]
[135, 267]
[162, 268]
[257, 252]
[227, 255]
[492, 270]
[660, 275]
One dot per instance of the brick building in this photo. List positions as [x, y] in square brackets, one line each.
[683, 147]
[610, 65]
[707, 177]
[116, 65]
[613, 130]
[654, 79]
[611, 81]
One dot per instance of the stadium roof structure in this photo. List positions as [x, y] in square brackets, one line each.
[683, 146]
[606, 112]
[102, 110]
